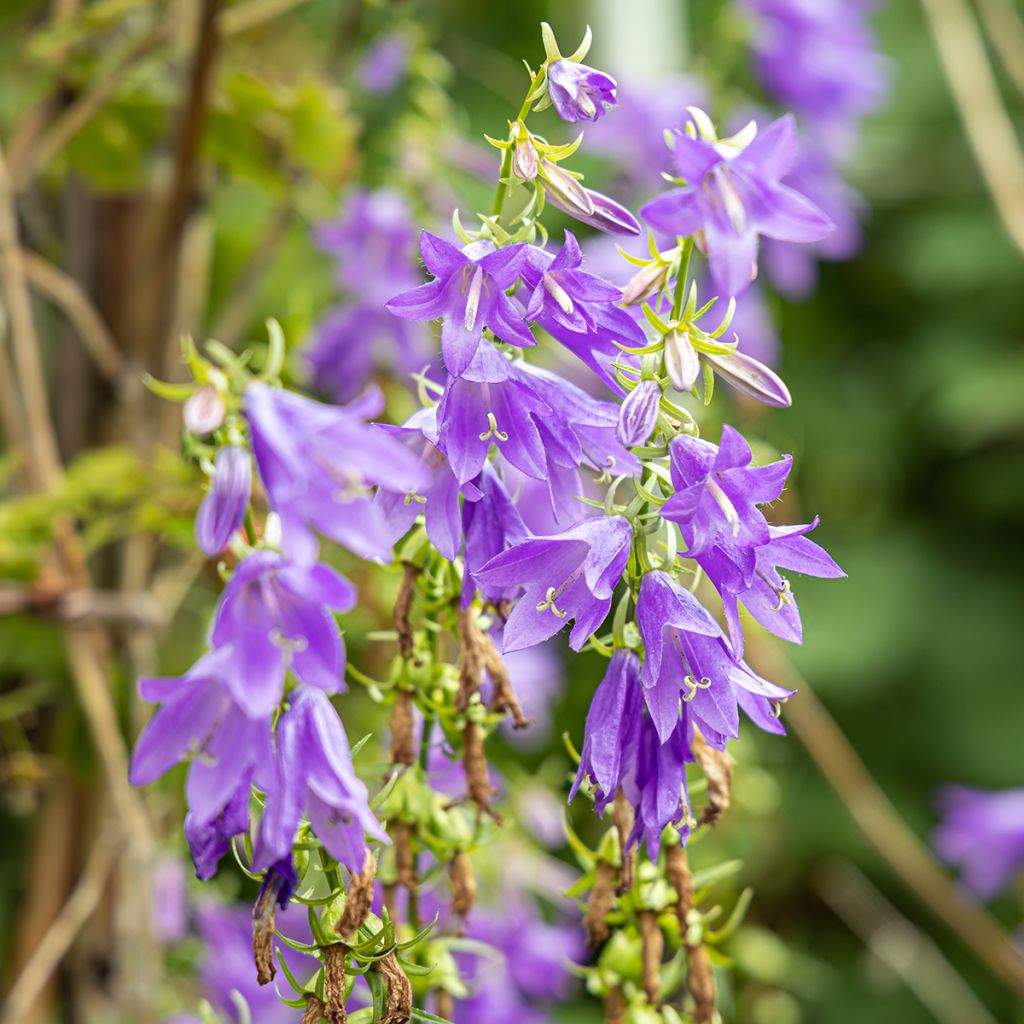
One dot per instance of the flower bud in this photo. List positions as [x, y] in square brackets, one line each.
[638, 415]
[645, 283]
[524, 155]
[223, 509]
[751, 377]
[681, 362]
[204, 410]
[605, 214]
[578, 91]
[565, 191]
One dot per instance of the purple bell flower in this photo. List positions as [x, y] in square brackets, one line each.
[223, 509]
[577, 308]
[312, 773]
[579, 92]
[318, 463]
[467, 294]
[600, 212]
[767, 596]
[717, 492]
[275, 615]
[439, 499]
[199, 716]
[982, 833]
[733, 195]
[570, 575]
[613, 728]
[686, 660]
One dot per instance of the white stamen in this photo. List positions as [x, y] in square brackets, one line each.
[473, 298]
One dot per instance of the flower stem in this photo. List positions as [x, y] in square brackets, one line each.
[684, 269]
[501, 192]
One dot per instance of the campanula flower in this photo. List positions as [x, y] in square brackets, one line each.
[438, 500]
[578, 308]
[734, 194]
[579, 92]
[568, 575]
[686, 660]
[312, 773]
[767, 596]
[982, 833]
[467, 294]
[199, 720]
[597, 210]
[275, 614]
[613, 728]
[318, 464]
[223, 510]
[717, 493]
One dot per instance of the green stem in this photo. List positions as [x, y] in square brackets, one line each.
[684, 269]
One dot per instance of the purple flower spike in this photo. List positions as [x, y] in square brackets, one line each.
[638, 415]
[223, 509]
[734, 195]
[982, 832]
[579, 92]
[313, 773]
[717, 494]
[613, 726]
[318, 463]
[198, 716]
[569, 575]
[768, 596]
[467, 294]
[275, 614]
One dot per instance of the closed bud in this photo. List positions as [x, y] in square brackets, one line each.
[681, 362]
[565, 191]
[524, 155]
[204, 410]
[751, 377]
[638, 415]
[223, 509]
[645, 283]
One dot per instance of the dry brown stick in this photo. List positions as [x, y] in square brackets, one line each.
[47, 956]
[652, 946]
[700, 978]
[81, 606]
[899, 846]
[68, 294]
[900, 946]
[1005, 28]
[988, 126]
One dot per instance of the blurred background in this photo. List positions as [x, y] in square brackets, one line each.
[165, 169]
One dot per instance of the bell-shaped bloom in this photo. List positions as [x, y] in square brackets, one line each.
[312, 773]
[568, 575]
[491, 524]
[686, 661]
[223, 509]
[982, 833]
[767, 596]
[613, 728]
[276, 616]
[656, 785]
[734, 194]
[577, 308]
[438, 500]
[717, 493]
[467, 294]
[579, 92]
[318, 464]
[638, 415]
[199, 721]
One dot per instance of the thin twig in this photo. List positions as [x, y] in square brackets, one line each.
[880, 822]
[1005, 28]
[69, 295]
[82, 606]
[987, 125]
[900, 946]
[66, 925]
[84, 109]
